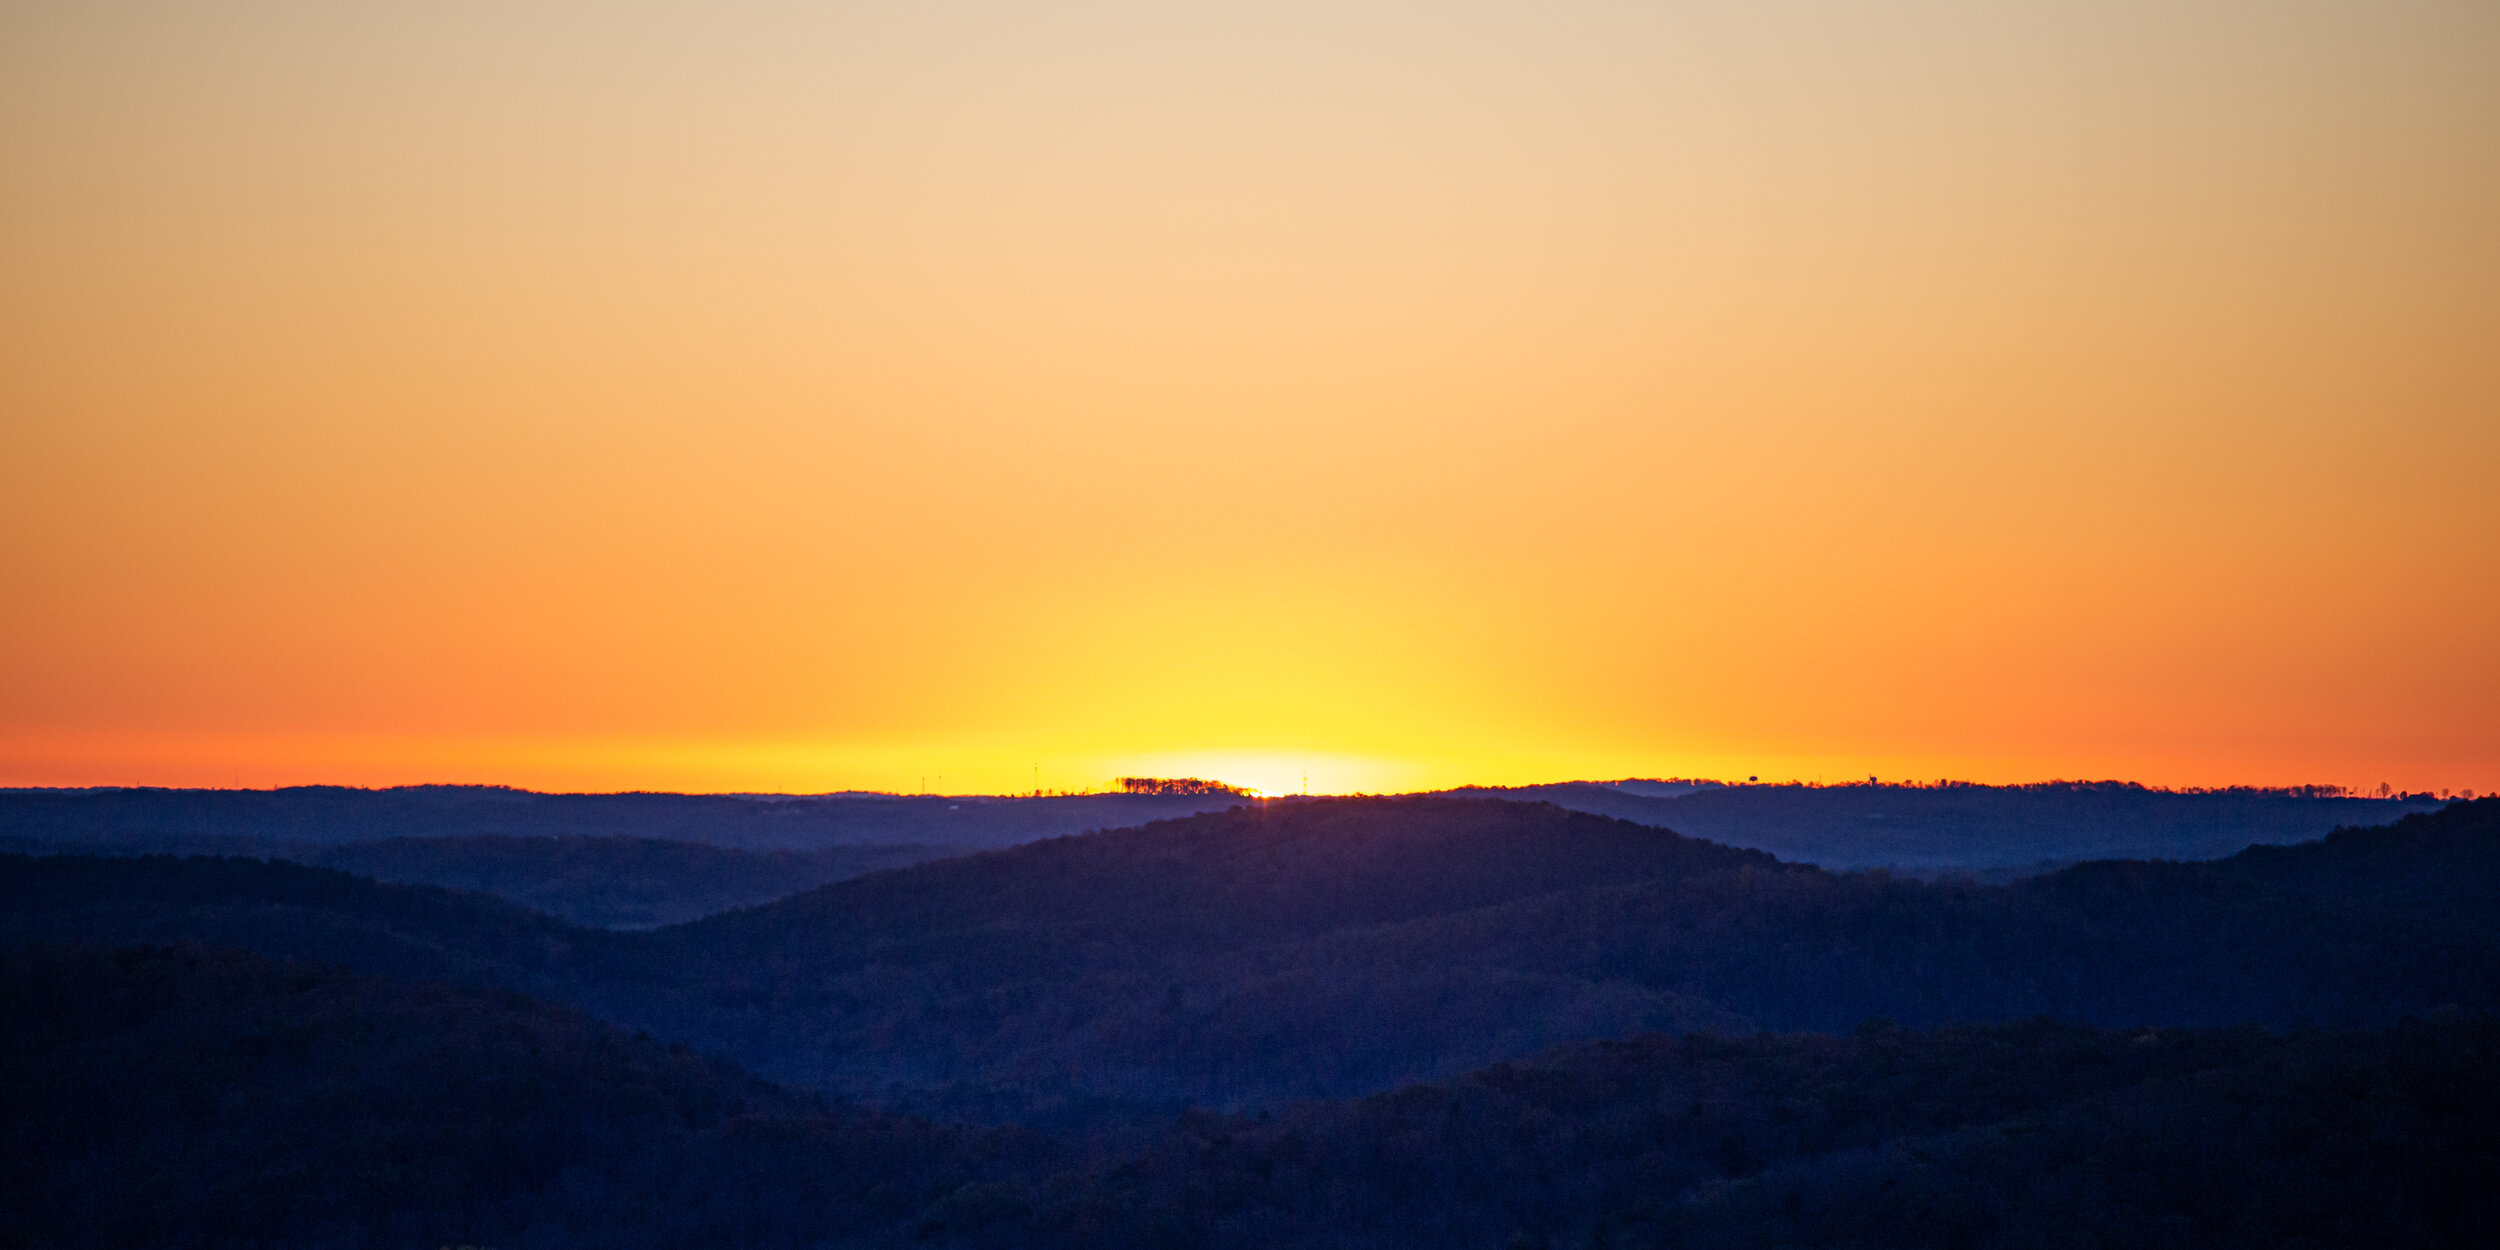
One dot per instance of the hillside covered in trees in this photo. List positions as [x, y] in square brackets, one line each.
[1337, 948]
[643, 860]
[241, 821]
[173, 1097]
[612, 882]
[1997, 832]
[179, 1097]
[1385, 1022]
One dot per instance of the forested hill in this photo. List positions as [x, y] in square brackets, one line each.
[292, 911]
[1334, 947]
[1996, 831]
[1957, 826]
[1337, 947]
[255, 821]
[644, 860]
[612, 882]
[1251, 875]
[2014, 1135]
[189, 1098]
[186, 1098]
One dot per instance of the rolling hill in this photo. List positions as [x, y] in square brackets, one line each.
[1333, 948]
[180, 1097]
[183, 1097]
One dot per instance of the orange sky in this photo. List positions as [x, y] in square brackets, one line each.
[802, 397]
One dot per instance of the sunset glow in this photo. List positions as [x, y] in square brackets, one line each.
[988, 397]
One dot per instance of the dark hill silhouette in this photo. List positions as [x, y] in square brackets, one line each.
[1188, 959]
[615, 883]
[2021, 1134]
[643, 860]
[1249, 875]
[1993, 832]
[183, 1098]
[180, 1097]
[198, 821]
[293, 911]
[1332, 947]
[608, 882]
[1996, 832]
[1341, 946]
[612, 860]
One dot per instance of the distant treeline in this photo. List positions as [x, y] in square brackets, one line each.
[1193, 787]
[2381, 791]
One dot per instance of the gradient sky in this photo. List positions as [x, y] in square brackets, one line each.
[812, 396]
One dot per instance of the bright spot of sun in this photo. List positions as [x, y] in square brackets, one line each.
[1272, 774]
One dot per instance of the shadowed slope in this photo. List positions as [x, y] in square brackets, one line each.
[1342, 946]
[618, 883]
[1998, 831]
[1185, 960]
[187, 1098]
[192, 821]
[294, 911]
[1332, 947]
[1225, 880]
[2020, 1134]
[179, 1097]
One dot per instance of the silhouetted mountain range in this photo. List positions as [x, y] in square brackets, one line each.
[597, 859]
[1343, 946]
[188, 821]
[241, 1052]
[617, 883]
[2021, 1134]
[1998, 832]
[188, 1098]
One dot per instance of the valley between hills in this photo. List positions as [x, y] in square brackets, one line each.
[1441, 1020]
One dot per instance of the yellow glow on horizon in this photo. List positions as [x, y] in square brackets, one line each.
[1272, 774]
[820, 397]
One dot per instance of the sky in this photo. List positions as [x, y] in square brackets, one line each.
[980, 397]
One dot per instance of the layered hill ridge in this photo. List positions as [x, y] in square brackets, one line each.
[293, 911]
[613, 882]
[179, 1097]
[634, 861]
[1336, 947]
[1217, 958]
[186, 1097]
[641, 860]
[1998, 832]
[243, 821]
[1244, 876]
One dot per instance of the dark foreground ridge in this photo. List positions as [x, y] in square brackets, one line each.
[181, 1097]
[1244, 959]
[178, 1097]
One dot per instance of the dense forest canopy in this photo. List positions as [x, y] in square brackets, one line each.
[179, 1097]
[1918, 827]
[1339, 947]
[645, 860]
[1996, 831]
[1423, 1021]
[189, 820]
